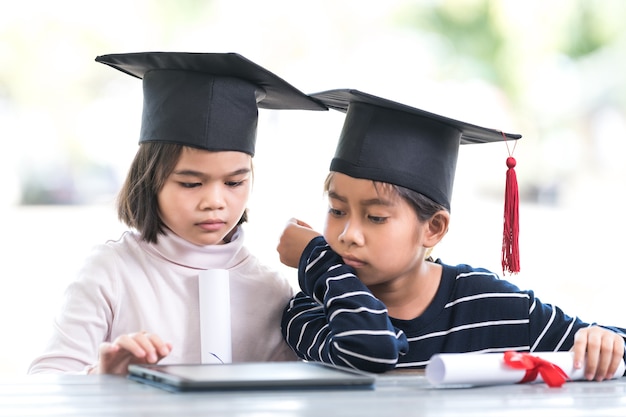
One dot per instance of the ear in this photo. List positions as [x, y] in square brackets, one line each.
[436, 228]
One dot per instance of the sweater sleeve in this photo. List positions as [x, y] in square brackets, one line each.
[336, 319]
[84, 319]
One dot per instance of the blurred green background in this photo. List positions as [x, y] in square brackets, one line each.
[552, 71]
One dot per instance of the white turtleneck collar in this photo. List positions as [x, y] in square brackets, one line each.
[179, 251]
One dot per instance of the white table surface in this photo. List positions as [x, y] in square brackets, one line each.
[393, 395]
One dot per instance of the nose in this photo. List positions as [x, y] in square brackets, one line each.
[352, 233]
[212, 197]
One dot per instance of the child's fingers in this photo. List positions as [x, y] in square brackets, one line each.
[140, 347]
[604, 357]
[108, 348]
[143, 345]
[152, 344]
[595, 361]
[161, 348]
[617, 357]
[298, 222]
[291, 243]
[586, 350]
[580, 347]
[132, 344]
[303, 224]
[112, 359]
[609, 354]
[601, 349]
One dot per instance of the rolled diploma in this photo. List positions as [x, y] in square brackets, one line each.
[215, 337]
[490, 369]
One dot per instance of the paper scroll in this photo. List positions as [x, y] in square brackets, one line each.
[214, 292]
[474, 369]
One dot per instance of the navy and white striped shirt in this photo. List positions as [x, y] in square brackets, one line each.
[336, 319]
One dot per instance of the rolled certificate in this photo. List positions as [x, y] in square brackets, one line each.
[214, 293]
[474, 369]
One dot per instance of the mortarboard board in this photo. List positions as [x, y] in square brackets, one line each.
[386, 141]
[206, 100]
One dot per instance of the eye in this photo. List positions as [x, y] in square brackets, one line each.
[377, 219]
[234, 183]
[334, 212]
[190, 184]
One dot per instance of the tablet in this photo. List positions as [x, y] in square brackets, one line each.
[249, 375]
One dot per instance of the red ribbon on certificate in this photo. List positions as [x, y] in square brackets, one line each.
[550, 373]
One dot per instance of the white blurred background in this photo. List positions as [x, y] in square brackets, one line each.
[552, 71]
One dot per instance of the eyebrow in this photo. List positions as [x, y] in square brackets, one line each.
[193, 173]
[369, 202]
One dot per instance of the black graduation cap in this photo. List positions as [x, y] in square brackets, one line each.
[206, 100]
[386, 141]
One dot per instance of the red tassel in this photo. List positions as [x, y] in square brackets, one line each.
[510, 243]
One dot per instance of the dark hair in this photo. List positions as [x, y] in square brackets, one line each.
[137, 201]
[424, 207]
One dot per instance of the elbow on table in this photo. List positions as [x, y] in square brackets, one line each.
[376, 357]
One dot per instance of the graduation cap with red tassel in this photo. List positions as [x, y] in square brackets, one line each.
[386, 141]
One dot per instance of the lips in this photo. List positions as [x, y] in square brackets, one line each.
[353, 262]
[211, 225]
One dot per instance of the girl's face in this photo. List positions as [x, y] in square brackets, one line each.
[206, 194]
[374, 230]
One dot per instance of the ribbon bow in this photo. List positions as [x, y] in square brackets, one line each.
[550, 373]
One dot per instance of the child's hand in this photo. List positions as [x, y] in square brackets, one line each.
[602, 349]
[295, 237]
[138, 347]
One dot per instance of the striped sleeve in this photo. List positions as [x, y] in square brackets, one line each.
[553, 330]
[336, 319]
